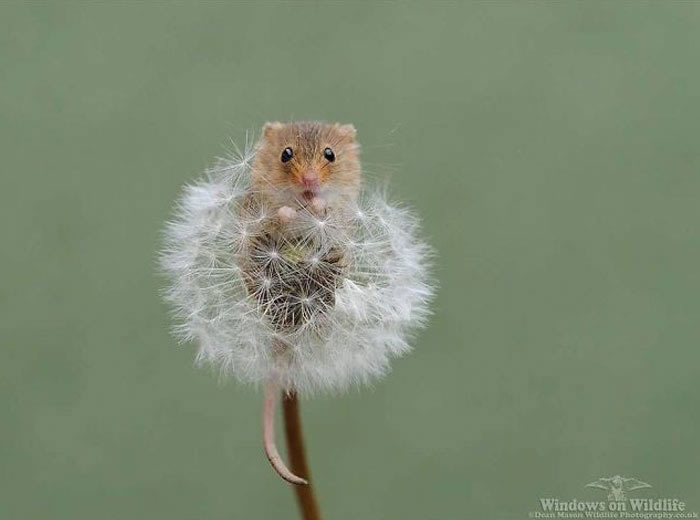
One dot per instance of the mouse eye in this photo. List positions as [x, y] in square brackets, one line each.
[287, 154]
[329, 155]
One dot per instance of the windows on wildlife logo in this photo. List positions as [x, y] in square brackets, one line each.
[622, 497]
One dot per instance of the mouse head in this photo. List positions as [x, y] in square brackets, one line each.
[300, 161]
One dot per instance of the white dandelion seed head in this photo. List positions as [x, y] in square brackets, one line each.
[320, 312]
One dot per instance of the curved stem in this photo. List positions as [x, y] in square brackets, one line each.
[306, 498]
[269, 438]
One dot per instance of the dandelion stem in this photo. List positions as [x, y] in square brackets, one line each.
[306, 498]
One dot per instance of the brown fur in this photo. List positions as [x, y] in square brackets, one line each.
[280, 184]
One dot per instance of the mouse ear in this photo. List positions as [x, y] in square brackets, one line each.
[346, 130]
[271, 127]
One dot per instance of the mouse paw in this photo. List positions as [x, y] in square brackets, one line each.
[286, 214]
[318, 204]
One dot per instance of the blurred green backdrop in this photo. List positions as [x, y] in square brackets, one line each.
[552, 151]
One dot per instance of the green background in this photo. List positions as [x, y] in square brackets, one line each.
[552, 152]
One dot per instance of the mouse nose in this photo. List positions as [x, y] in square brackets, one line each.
[310, 179]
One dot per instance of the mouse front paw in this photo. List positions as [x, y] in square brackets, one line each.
[318, 205]
[286, 214]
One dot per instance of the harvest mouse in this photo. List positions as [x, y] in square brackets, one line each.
[306, 165]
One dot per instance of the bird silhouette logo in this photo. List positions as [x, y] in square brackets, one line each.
[617, 486]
